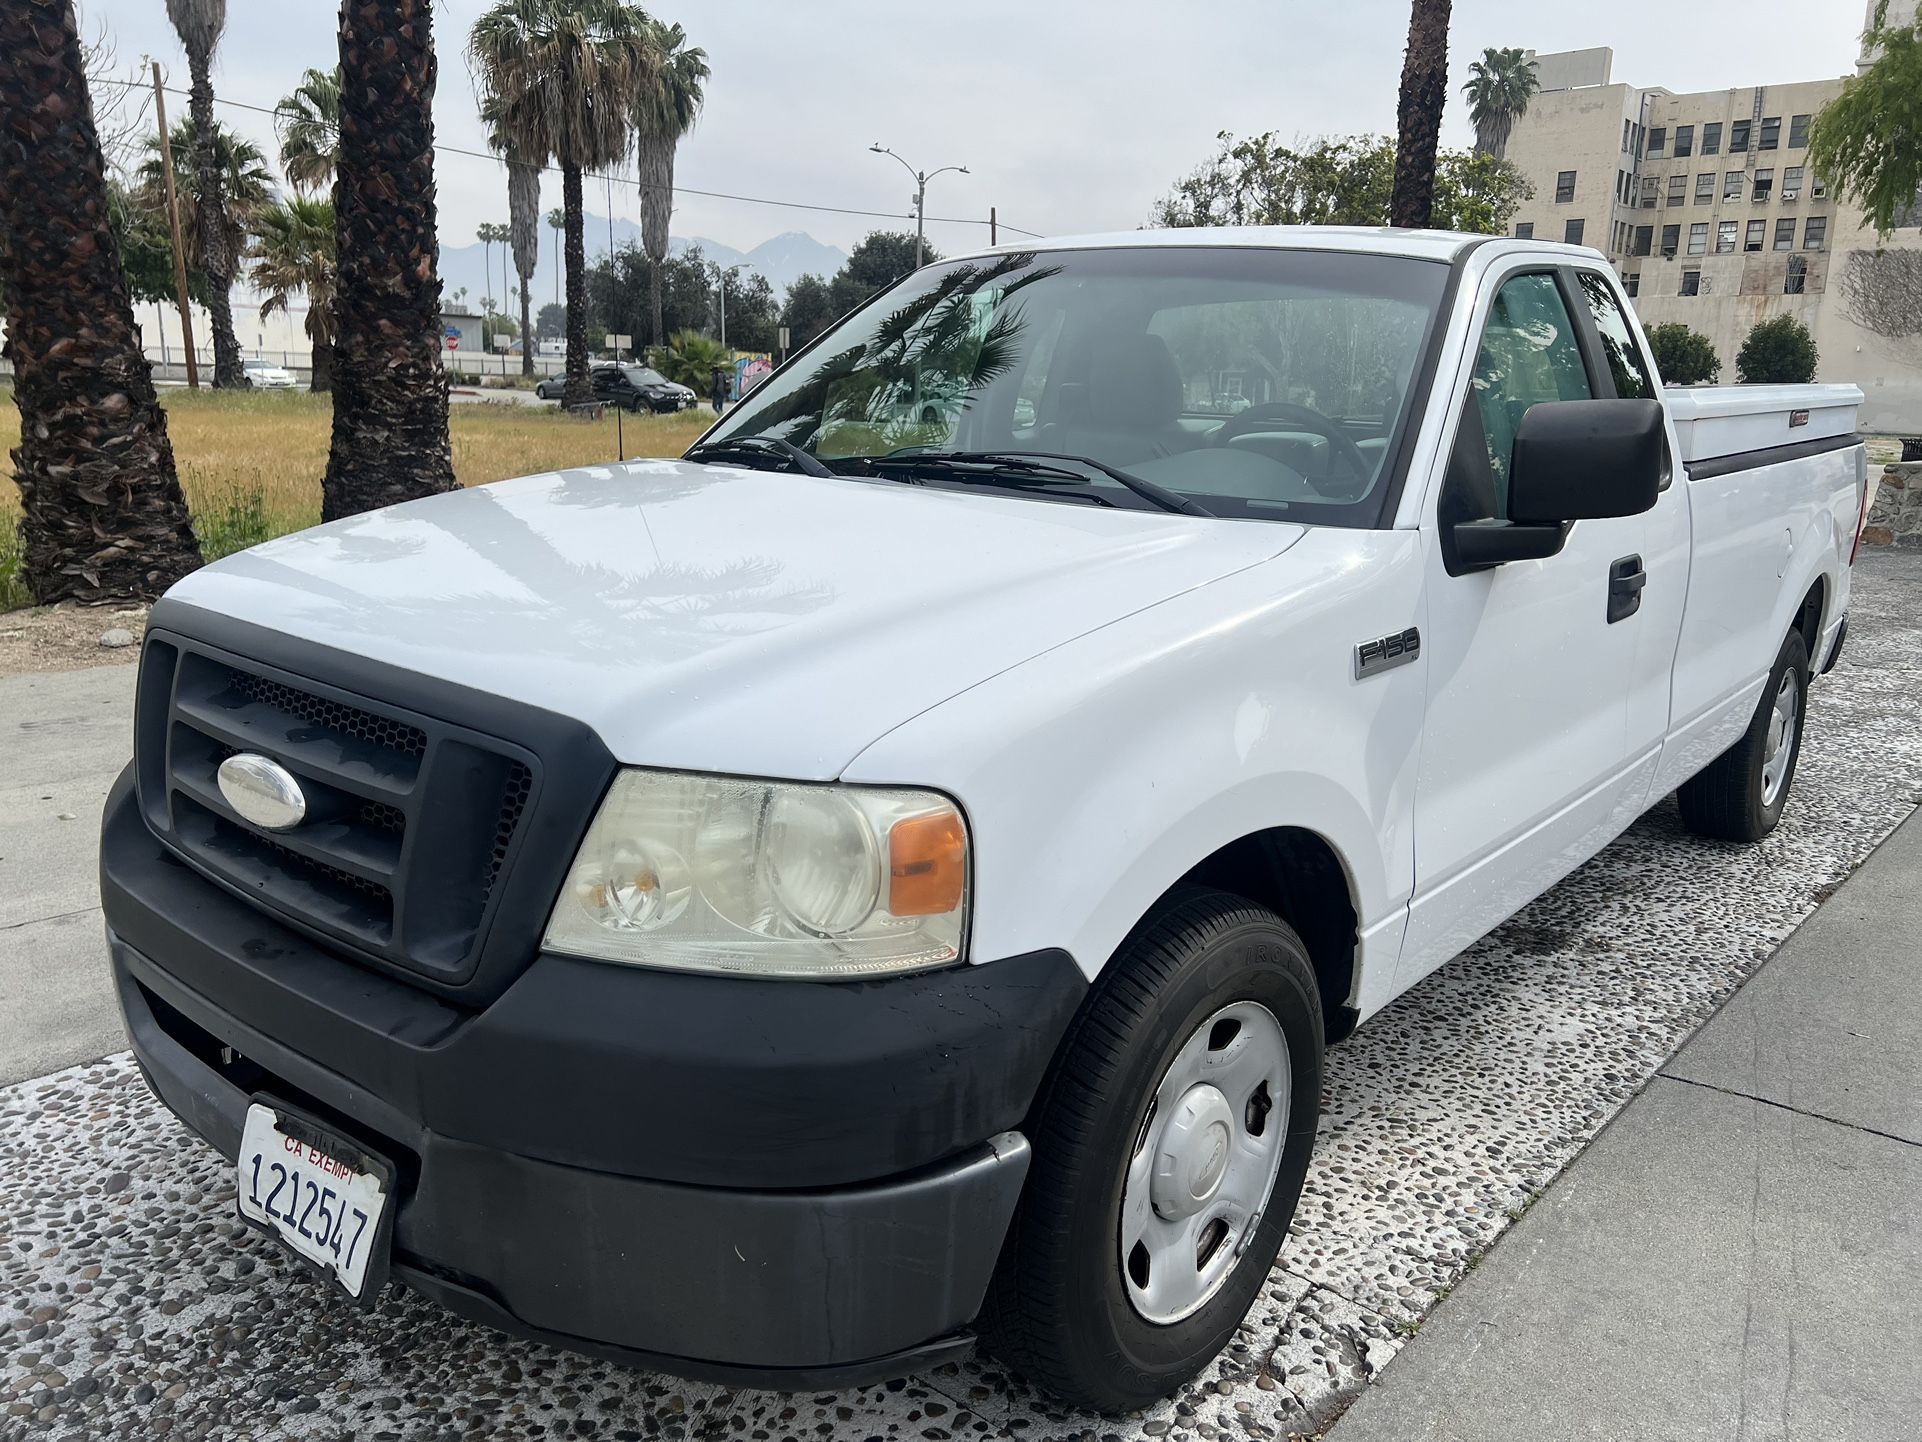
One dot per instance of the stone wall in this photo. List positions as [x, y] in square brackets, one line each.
[1896, 517]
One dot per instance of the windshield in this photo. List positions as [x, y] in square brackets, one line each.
[642, 376]
[1257, 382]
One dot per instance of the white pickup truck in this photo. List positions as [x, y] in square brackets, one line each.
[889, 876]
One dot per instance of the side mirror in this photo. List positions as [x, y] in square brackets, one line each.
[1585, 461]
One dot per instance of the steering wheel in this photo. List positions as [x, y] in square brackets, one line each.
[1308, 420]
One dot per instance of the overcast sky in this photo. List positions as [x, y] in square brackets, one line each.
[1073, 115]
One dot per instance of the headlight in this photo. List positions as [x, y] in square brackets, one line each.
[764, 878]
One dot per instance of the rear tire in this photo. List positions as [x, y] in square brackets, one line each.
[1070, 1306]
[1741, 794]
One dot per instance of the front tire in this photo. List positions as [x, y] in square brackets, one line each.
[1170, 1142]
[1741, 794]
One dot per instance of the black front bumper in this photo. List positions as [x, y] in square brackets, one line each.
[774, 1183]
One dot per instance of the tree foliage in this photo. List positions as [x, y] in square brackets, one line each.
[1336, 180]
[1684, 357]
[618, 293]
[807, 310]
[1779, 351]
[246, 186]
[690, 359]
[294, 253]
[551, 322]
[308, 124]
[1868, 141]
[1499, 87]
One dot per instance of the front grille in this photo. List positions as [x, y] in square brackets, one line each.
[411, 821]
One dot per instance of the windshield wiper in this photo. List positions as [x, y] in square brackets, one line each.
[760, 448]
[1044, 463]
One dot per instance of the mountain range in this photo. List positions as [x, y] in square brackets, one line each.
[783, 259]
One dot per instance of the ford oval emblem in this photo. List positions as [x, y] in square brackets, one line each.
[262, 791]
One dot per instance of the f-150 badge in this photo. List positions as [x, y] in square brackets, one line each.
[1388, 652]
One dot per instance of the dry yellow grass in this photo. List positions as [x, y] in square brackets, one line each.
[231, 447]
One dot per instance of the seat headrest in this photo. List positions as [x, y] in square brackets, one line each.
[1133, 383]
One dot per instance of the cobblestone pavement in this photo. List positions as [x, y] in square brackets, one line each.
[132, 1304]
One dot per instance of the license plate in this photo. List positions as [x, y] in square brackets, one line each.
[320, 1195]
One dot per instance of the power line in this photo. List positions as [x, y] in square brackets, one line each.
[636, 182]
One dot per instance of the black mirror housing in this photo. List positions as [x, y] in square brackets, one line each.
[1586, 461]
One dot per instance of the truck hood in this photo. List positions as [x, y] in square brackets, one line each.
[719, 619]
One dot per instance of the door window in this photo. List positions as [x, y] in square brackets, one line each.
[1626, 364]
[1529, 354]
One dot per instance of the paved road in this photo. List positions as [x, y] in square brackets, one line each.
[1736, 1256]
[64, 738]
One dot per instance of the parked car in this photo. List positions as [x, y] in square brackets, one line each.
[779, 914]
[617, 383]
[268, 377]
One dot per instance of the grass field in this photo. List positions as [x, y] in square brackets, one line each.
[251, 463]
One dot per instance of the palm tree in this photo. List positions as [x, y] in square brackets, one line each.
[484, 233]
[198, 24]
[562, 76]
[663, 113]
[1418, 114]
[557, 222]
[390, 393]
[308, 124]
[294, 251]
[105, 517]
[1499, 87]
[523, 230]
[246, 187]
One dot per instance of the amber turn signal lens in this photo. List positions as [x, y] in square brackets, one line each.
[927, 864]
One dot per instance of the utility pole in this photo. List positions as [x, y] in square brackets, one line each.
[921, 179]
[994, 233]
[180, 244]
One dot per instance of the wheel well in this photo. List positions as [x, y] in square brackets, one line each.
[1297, 874]
[1809, 620]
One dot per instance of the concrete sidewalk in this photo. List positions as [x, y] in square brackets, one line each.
[1736, 1256]
[63, 738]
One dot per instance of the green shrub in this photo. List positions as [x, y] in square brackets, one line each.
[14, 592]
[1684, 357]
[236, 520]
[1777, 352]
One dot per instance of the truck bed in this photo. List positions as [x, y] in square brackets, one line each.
[1712, 422]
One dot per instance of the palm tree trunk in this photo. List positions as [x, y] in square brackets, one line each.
[527, 332]
[1424, 91]
[105, 517]
[322, 381]
[654, 303]
[576, 392]
[390, 394]
[215, 263]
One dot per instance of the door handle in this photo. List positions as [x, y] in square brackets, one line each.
[1626, 578]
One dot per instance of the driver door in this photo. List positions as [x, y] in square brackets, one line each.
[1525, 767]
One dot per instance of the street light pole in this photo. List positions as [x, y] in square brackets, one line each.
[921, 179]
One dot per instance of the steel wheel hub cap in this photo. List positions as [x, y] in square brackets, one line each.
[1783, 717]
[1206, 1154]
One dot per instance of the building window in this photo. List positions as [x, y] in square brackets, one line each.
[1764, 186]
[1705, 188]
[1798, 131]
[1671, 239]
[1725, 236]
[1791, 183]
[1818, 188]
[1651, 189]
[1564, 185]
[1572, 232]
[1732, 184]
[1737, 136]
[1771, 133]
[1757, 235]
[1644, 240]
[1698, 238]
[1712, 138]
[1678, 190]
[1684, 141]
[1524, 230]
[1785, 233]
[1627, 127]
[1798, 276]
[1691, 282]
[1815, 233]
[1657, 140]
[1632, 284]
